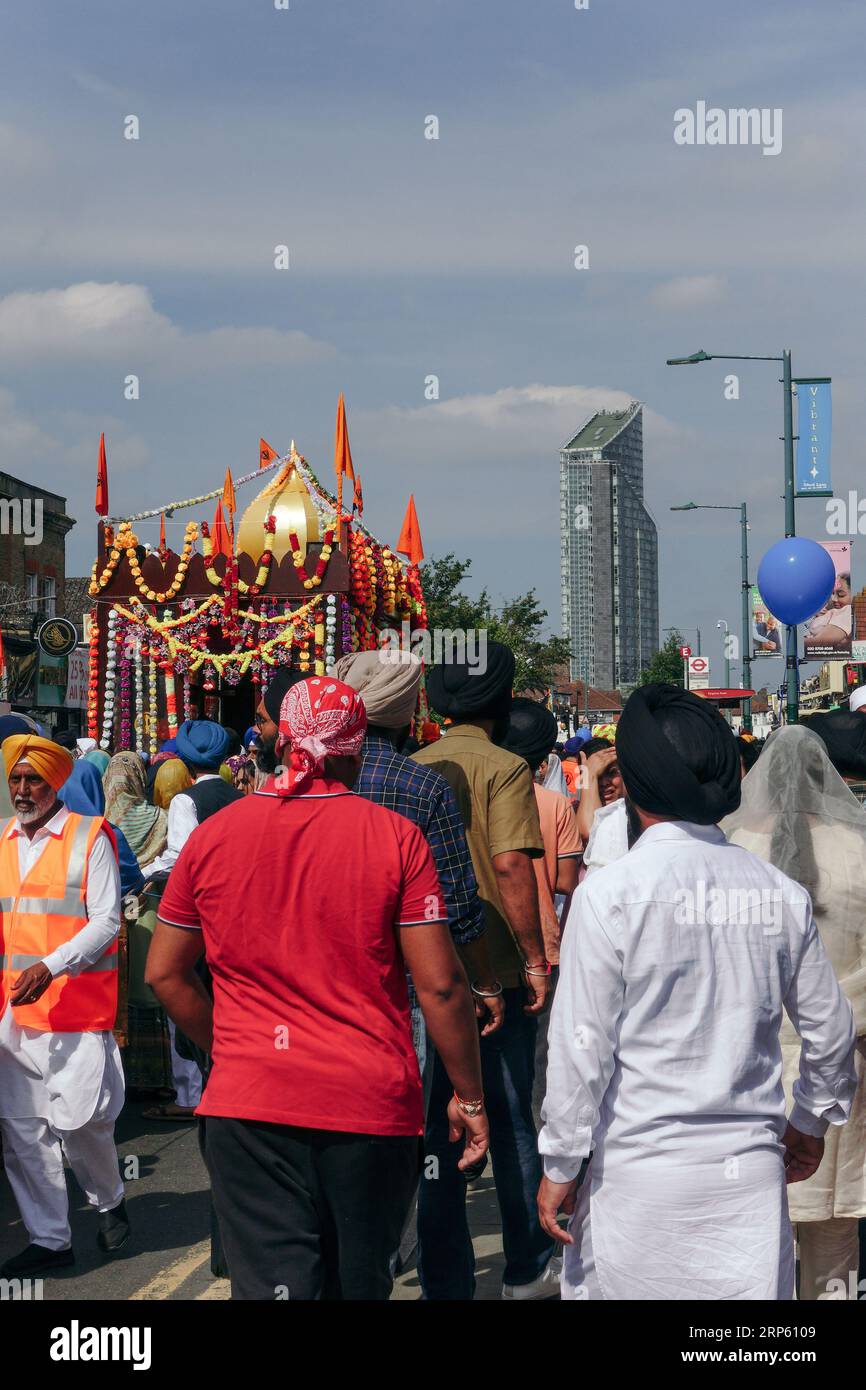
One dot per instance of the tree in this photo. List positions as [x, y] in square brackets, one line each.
[667, 664]
[518, 623]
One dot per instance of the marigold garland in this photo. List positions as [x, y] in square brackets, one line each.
[160, 596]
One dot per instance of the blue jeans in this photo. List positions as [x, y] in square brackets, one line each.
[447, 1263]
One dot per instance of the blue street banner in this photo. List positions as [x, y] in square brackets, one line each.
[814, 427]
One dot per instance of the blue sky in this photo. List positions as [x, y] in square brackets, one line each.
[411, 257]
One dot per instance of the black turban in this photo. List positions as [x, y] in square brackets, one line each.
[532, 731]
[844, 734]
[677, 756]
[280, 685]
[482, 690]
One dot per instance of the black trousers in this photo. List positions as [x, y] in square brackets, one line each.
[309, 1213]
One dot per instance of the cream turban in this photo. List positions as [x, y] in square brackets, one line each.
[53, 763]
[387, 682]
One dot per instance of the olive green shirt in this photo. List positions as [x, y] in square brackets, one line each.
[497, 802]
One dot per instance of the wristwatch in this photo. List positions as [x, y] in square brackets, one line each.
[470, 1108]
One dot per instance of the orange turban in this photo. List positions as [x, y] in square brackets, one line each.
[52, 762]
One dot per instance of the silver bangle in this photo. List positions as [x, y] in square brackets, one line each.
[487, 993]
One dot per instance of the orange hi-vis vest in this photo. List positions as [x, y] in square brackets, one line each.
[43, 912]
[571, 770]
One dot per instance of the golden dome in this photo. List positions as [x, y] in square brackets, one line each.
[285, 497]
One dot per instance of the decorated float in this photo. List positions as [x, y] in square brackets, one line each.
[198, 632]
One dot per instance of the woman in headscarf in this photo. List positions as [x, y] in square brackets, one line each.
[84, 793]
[98, 758]
[172, 776]
[144, 826]
[797, 814]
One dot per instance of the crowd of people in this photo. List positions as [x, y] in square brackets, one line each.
[628, 971]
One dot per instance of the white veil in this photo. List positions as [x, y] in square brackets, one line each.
[797, 813]
[555, 778]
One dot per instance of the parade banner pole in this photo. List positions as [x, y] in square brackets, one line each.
[791, 673]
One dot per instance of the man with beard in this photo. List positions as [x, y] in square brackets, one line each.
[268, 717]
[61, 1080]
[494, 792]
[664, 1079]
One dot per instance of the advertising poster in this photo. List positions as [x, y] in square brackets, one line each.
[831, 631]
[766, 632]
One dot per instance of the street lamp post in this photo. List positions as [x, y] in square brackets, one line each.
[745, 587]
[791, 672]
[723, 624]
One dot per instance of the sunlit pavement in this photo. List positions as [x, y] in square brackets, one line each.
[168, 1254]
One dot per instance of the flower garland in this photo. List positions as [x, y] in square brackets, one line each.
[330, 630]
[139, 697]
[110, 667]
[126, 540]
[269, 527]
[314, 580]
[125, 700]
[174, 588]
[153, 731]
[93, 688]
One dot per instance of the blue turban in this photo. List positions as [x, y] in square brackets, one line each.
[574, 745]
[17, 724]
[251, 736]
[202, 743]
[170, 745]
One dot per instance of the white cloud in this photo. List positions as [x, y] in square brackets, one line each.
[118, 323]
[689, 292]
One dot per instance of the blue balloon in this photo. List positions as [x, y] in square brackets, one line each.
[795, 579]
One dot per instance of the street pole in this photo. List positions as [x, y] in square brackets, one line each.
[747, 618]
[791, 673]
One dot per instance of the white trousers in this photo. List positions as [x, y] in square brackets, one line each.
[829, 1256]
[33, 1151]
[185, 1075]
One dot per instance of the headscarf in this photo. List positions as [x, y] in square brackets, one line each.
[857, 699]
[459, 690]
[172, 776]
[143, 825]
[98, 758]
[84, 793]
[607, 731]
[844, 735]
[202, 743]
[531, 732]
[279, 687]
[16, 724]
[555, 778]
[792, 787]
[11, 724]
[701, 787]
[321, 718]
[52, 762]
[387, 681]
[84, 745]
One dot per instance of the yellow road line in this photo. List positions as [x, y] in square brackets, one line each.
[169, 1280]
[219, 1289]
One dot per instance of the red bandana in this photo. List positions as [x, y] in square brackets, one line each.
[321, 718]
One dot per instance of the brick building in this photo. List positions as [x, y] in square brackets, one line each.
[33, 527]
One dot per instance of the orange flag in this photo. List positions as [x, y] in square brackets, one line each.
[229, 493]
[162, 530]
[410, 535]
[266, 453]
[342, 452]
[219, 533]
[359, 496]
[102, 480]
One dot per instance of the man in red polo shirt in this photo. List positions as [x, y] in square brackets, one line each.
[312, 903]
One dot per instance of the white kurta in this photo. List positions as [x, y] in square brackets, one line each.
[66, 1078]
[664, 1060]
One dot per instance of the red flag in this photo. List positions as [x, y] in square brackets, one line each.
[266, 453]
[410, 535]
[102, 480]
[219, 532]
[359, 496]
[162, 530]
[342, 452]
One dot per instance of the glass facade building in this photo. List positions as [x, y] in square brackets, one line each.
[608, 551]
